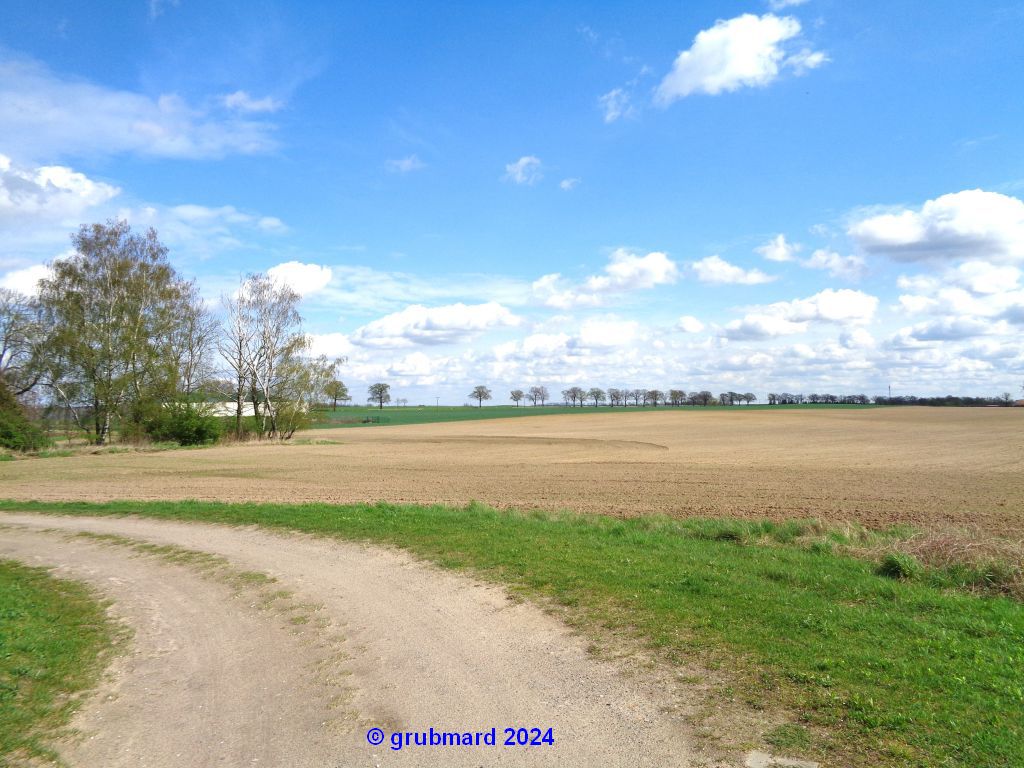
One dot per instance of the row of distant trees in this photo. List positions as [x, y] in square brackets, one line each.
[116, 339]
[380, 394]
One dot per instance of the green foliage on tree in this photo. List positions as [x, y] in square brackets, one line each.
[113, 310]
[379, 393]
[17, 433]
[335, 391]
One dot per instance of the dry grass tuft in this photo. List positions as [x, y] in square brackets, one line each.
[968, 560]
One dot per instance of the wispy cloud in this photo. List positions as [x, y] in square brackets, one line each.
[616, 104]
[526, 170]
[406, 164]
[43, 114]
[241, 101]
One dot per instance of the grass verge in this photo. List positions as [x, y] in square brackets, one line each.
[54, 642]
[878, 671]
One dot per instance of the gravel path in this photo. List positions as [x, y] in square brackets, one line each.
[213, 679]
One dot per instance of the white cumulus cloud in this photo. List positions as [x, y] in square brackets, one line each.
[607, 332]
[746, 51]
[962, 225]
[304, 279]
[330, 344]
[779, 249]
[53, 192]
[625, 272]
[844, 306]
[715, 269]
[689, 324]
[26, 280]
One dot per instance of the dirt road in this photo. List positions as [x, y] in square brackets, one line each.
[368, 638]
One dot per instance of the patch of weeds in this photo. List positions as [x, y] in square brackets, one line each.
[790, 737]
[788, 532]
[6, 457]
[899, 565]
[251, 578]
[822, 547]
[57, 453]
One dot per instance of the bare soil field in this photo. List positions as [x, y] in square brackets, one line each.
[928, 467]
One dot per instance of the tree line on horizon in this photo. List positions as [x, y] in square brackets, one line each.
[380, 394]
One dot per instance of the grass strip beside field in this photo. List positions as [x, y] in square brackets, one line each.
[880, 671]
[54, 638]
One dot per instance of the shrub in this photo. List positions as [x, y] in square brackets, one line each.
[185, 424]
[16, 431]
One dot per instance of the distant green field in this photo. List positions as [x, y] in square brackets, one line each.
[365, 416]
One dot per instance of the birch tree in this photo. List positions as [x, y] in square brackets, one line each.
[110, 310]
[235, 338]
[276, 340]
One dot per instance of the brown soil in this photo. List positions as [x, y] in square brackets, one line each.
[929, 467]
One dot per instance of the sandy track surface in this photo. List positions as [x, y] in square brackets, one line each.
[928, 467]
[211, 680]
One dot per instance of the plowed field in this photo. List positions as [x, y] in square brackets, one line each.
[930, 467]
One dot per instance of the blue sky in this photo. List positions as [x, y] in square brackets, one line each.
[758, 196]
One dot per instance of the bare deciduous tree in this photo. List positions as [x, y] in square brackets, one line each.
[480, 393]
[516, 396]
[538, 394]
[192, 342]
[233, 344]
[277, 339]
[20, 341]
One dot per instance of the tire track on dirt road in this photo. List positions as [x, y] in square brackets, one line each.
[212, 681]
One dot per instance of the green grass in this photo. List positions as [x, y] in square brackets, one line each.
[878, 671]
[359, 416]
[54, 635]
